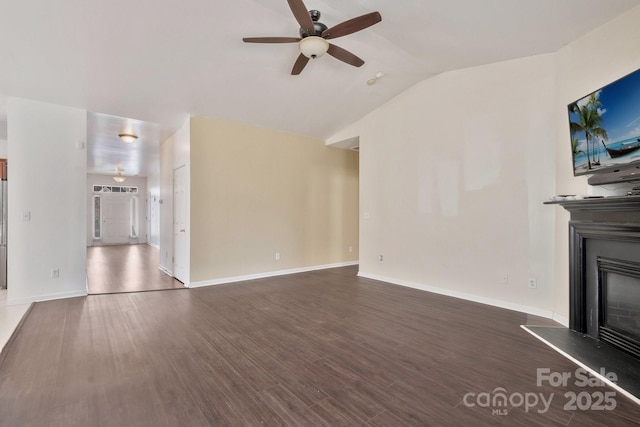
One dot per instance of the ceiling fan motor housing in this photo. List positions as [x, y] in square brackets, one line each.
[319, 27]
[314, 36]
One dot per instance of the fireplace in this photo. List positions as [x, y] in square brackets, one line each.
[604, 246]
[619, 307]
[604, 292]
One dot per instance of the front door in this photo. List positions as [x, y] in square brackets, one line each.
[115, 219]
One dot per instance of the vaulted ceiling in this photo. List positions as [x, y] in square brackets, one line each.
[152, 63]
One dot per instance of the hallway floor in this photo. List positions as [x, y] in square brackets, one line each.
[126, 268]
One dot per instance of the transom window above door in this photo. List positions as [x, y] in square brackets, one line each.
[114, 189]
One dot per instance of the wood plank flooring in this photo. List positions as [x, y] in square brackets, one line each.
[320, 348]
[126, 268]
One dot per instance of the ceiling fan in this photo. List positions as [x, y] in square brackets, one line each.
[314, 35]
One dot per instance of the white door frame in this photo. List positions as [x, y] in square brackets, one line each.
[180, 225]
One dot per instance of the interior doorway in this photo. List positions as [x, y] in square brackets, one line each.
[124, 182]
[119, 258]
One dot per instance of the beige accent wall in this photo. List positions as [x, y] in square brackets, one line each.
[255, 192]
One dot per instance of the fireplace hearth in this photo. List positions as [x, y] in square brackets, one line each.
[604, 289]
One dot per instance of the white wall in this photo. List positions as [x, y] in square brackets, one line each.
[3, 148]
[601, 57]
[453, 173]
[47, 179]
[174, 153]
[455, 170]
[134, 181]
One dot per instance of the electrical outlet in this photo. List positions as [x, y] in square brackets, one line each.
[277, 256]
[505, 279]
[55, 273]
[533, 284]
[380, 258]
[350, 249]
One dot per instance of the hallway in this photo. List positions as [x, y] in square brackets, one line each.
[126, 268]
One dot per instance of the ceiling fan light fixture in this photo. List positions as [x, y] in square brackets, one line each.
[313, 46]
[128, 138]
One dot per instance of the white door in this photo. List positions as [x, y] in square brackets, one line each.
[180, 225]
[148, 218]
[115, 219]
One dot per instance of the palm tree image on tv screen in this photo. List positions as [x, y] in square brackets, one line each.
[605, 127]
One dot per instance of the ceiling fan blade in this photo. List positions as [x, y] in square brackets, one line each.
[271, 39]
[344, 55]
[352, 25]
[301, 62]
[301, 14]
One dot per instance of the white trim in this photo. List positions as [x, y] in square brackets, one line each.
[582, 365]
[564, 321]
[462, 295]
[166, 270]
[269, 274]
[49, 297]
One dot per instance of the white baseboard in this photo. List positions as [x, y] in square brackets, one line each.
[465, 296]
[166, 270]
[268, 274]
[49, 297]
[561, 319]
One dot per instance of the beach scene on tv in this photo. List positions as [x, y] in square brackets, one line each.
[605, 126]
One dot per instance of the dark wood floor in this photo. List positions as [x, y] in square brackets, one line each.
[126, 268]
[318, 348]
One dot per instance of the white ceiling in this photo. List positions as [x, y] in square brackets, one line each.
[152, 63]
[106, 152]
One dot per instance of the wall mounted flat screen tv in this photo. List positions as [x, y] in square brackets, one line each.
[605, 128]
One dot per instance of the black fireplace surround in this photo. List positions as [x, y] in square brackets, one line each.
[604, 270]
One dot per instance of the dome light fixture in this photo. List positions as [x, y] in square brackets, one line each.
[128, 138]
[119, 178]
[313, 46]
